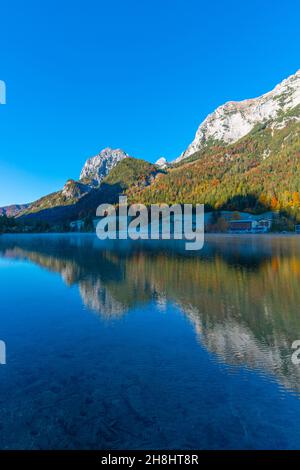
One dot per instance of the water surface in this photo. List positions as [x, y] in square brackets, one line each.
[130, 345]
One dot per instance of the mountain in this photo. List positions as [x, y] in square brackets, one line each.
[233, 120]
[102, 179]
[245, 157]
[96, 168]
[13, 210]
[78, 199]
[71, 193]
[259, 172]
[66, 200]
[161, 162]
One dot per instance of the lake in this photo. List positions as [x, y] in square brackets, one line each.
[143, 345]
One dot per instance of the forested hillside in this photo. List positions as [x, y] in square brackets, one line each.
[261, 171]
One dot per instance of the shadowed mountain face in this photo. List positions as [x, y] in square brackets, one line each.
[241, 295]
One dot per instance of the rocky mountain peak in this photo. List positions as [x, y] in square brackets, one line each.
[235, 119]
[99, 166]
[161, 162]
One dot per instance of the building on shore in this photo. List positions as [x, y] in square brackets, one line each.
[249, 226]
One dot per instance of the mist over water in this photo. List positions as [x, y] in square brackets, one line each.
[122, 344]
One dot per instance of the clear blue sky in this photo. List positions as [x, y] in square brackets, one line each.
[136, 74]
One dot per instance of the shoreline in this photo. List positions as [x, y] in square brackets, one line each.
[206, 235]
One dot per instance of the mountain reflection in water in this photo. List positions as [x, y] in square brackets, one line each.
[241, 294]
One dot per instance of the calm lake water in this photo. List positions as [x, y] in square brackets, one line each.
[130, 345]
